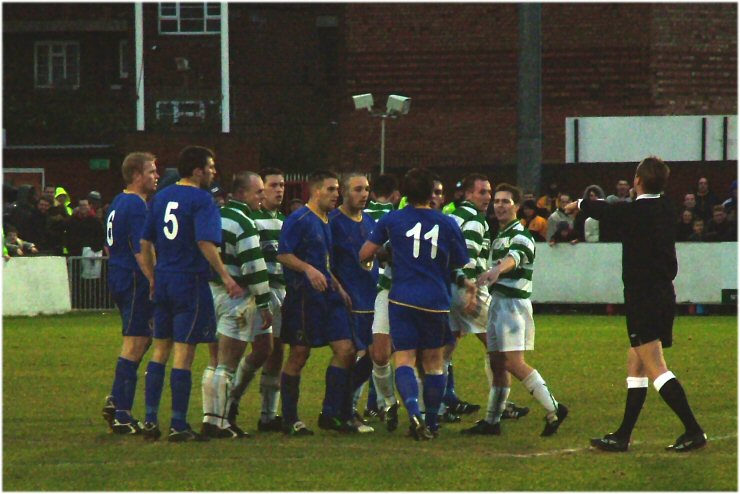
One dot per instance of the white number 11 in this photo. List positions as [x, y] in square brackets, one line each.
[432, 235]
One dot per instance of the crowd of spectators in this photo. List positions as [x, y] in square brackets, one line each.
[702, 217]
[52, 224]
[49, 224]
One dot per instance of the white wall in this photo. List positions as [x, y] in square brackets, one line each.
[592, 273]
[673, 138]
[35, 285]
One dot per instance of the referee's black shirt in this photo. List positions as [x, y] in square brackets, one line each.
[646, 228]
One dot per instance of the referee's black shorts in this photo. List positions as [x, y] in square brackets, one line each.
[650, 311]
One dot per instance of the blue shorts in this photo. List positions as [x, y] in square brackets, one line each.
[415, 329]
[183, 308]
[130, 291]
[314, 319]
[362, 328]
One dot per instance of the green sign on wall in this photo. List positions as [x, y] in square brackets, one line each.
[99, 164]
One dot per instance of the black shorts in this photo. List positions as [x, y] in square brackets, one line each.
[650, 312]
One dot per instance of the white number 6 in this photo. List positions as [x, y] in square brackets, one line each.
[109, 228]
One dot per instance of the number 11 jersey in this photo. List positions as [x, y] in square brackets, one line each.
[425, 247]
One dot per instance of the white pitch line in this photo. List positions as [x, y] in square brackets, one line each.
[556, 452]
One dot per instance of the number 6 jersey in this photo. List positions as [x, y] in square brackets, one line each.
[179, 217]
[425, 246]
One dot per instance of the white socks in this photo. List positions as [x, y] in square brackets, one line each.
[538, 389]
[496, 404]
[383, 379]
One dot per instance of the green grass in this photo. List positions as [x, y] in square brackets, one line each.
[57, 370]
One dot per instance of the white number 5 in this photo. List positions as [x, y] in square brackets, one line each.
[169, 216]
[432, 235]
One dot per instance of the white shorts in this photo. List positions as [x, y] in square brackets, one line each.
[381, 322]
[277, 295]
[463, 323]
[234, 315]
[510, 324]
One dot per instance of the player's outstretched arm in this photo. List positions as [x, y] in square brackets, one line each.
[211, 254]
[491, 276]
[368, 251]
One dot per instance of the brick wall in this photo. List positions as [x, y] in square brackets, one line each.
[458, 63]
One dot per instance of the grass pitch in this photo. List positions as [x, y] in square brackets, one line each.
[57, 370]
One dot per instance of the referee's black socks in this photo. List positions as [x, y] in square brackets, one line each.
[672, 393]
[636, 394]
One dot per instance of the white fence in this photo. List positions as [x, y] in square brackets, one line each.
[581, 273]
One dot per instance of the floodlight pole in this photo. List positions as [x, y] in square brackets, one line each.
[382, 143]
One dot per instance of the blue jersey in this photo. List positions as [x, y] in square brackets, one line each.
[348, 236]
[126, 216]
[179, 217]
[426, 246]
[307, 237]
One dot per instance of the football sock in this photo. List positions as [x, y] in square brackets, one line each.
[383, 379]
[408, 388]
[496, 403]
[489, 371]
[181, 382]
[434, 389]
[373, 397]
[270, 391]
[538, 389]
[357, 394]
[290, 390]
[208, 392]
[337, 381]
[126, 375]
[361, 371]
[118, 378]
[636, 394]
[222, 380]
[154, 382]
[450, 397]
[242, 378]
[673, 394]
[420, 387]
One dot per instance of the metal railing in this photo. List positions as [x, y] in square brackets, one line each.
[88, 283]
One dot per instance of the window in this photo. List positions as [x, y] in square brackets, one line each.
[189, 18]
[123, 59]
[57, 64]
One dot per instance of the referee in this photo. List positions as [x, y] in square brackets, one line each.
[649, 266]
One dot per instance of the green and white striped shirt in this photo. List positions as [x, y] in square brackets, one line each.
[475, 230]
[241, 253]
[269, 224]
[516, 241]
[377, 210]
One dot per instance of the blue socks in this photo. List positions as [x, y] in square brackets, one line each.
[337, 389]
[154, 379]
[124, 388]
[434, 388]
[408, 389]
[289, 389]
[181, 382]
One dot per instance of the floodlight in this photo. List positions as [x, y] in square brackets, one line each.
[363, 101]
[398, 104]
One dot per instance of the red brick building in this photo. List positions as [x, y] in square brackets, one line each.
[69, 78]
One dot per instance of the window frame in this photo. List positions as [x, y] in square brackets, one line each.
[49, 45]
[177, 17]
[123, 47]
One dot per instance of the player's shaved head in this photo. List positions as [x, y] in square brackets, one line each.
[243, 180]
